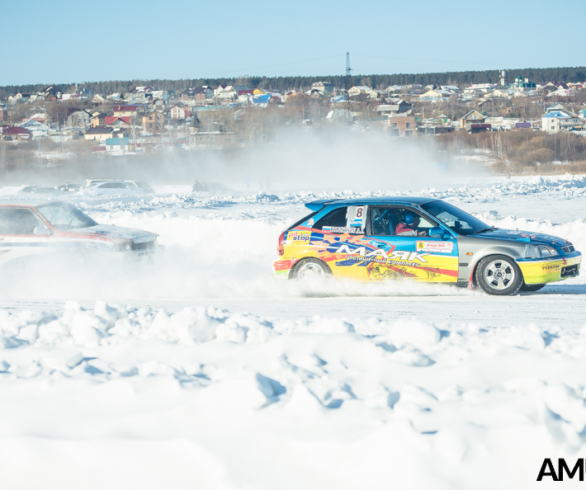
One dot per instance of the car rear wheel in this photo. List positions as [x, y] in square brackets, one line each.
[532, 287]
[310, 268]
[499, 275]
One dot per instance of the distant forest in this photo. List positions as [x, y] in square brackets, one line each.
[461, 78]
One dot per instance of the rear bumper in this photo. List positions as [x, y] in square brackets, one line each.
[283, 266]
[552, 270]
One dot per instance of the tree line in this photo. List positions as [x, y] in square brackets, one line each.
[461, 78]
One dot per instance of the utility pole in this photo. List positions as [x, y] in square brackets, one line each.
[348, 71]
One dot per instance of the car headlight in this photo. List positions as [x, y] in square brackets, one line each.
[124, 247]
[547, 251]
[532, 252]
[541, 251]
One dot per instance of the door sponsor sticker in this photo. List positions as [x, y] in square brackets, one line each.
[342, 229]
[299, 236]
[381, 255]
[435, 247]
[356, 216]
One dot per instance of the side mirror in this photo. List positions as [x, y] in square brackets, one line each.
[437, 232]
[42, 231]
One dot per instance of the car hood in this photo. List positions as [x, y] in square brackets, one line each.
[117, 233]
[523, 237]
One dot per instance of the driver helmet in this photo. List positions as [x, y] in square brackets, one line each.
[410, 218]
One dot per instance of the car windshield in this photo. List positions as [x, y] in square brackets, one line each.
[63, 216]
[454, 218]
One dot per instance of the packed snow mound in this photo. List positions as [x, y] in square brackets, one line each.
[430, 406]
[568, 186]
[177, 198]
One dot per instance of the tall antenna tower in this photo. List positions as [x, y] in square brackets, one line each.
[348, 70]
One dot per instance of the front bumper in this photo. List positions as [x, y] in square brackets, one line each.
[139, 252]
[541, 271]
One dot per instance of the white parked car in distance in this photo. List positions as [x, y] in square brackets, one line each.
[114, 188]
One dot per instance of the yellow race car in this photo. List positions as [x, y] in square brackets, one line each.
[422, 239]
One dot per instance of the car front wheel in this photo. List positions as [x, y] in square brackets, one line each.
[499, 275]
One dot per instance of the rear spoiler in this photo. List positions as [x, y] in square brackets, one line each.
[319, 204]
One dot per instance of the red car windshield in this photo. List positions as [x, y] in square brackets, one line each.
[63, 216]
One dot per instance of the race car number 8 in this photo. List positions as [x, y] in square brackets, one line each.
[359, 212]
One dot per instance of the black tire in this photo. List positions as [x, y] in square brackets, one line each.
[310, 264]
[532, 287]
[508, 278]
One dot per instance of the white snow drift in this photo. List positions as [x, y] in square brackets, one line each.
[164, 379]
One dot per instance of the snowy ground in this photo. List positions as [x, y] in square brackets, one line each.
[202, 371]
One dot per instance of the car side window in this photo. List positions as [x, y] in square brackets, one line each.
[334, 219]
[18, 221]
[348, 219]
[114, 185]
[396, 221]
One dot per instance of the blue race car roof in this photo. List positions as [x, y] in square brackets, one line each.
[317, 205]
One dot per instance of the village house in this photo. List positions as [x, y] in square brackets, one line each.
[556, 121]
[98, 134]
[15, 133]
[159, 105]
[98, 119]
[125, 110]
[118, 122]
[472, 117]
[399, 107]
[488, 106]
[213, 139]
[39, 98]
[225, 94]
[479, 88]
[562, 92]
[40, 116]
[343, 116]
[500, 93]
[180, 112]
[36, 128]
[153, 122]
[243, 89]
[451, 88]
[520, 85]
[73, 97]
[401, 125]
[436, 94]
[117, 145]
[358, 89]
[557, 107]
[79, 119]
[327, 87]
[53, 91]
[97, 99]
[197, 94]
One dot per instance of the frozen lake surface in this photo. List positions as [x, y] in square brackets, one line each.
[203, 371]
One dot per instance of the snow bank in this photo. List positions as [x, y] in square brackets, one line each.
[206, 399]
[180, 198]
[339, 385]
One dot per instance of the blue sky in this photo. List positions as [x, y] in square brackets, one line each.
[75, 41]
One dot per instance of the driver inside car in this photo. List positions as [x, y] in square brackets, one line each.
[408, 227]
